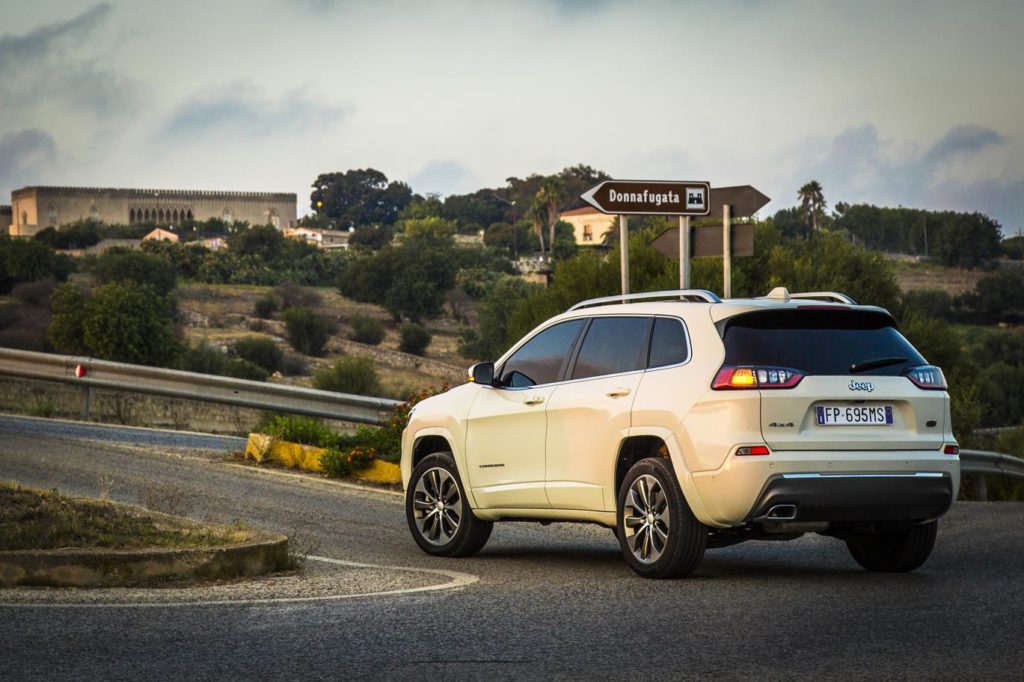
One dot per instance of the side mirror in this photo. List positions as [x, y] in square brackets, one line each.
[482, 373]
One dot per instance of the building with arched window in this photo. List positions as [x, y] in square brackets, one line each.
[35, 208]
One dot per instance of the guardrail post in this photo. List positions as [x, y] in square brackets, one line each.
[980, 488]
[86, 402]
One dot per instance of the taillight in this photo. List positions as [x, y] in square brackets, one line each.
[928, 377]
[756, 377]
[747, 450]
[951, 450]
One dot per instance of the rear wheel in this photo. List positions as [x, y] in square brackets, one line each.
[659, 535]
[896, 552]
[438, 513]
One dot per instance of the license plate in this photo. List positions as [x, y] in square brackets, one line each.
[854, 415]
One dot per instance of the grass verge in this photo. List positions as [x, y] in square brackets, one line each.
[36, 520]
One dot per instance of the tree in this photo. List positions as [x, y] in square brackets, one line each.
[414, 338]
[550, 196]
[812, 204]
[23, 260]
[308, 331]
[263, 241]
[118, 265]
[492, 335]
[359, 197]
[121, 321]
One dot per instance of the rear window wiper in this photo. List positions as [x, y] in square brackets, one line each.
[874, 364]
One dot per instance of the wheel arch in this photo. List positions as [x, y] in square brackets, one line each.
[662, 443]
[429, 440]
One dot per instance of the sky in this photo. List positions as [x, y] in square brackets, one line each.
[913, 103]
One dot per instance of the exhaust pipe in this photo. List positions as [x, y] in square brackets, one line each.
[781, 512]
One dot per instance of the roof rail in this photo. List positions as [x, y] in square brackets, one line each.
[691, 295]
[825, 295]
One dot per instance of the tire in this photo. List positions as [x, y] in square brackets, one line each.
[658, 533]
[898, 552]
[442, 525]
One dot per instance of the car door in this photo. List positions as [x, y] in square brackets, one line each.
[506, 427]
[589, 413]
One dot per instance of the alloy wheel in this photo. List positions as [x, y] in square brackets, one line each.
[646, 519]
[437, 506]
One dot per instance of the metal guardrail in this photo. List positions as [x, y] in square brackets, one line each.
[192, 386]
[983, 463]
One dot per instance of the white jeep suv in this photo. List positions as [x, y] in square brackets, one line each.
[683, 422]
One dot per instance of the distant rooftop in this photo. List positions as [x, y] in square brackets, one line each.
[135, 192]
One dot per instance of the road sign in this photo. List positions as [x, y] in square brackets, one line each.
[650, 197]
[706, 241]
[744, 200]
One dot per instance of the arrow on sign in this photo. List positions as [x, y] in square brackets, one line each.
[744, 199]
[649, 197]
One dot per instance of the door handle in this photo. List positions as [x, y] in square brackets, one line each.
[533, 400]
[618, 392]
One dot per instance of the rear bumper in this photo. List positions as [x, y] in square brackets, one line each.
[912, 496]
[858, 480]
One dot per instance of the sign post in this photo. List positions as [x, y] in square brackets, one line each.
[651, 197]
[726, 253]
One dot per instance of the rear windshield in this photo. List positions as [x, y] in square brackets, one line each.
[819, 342]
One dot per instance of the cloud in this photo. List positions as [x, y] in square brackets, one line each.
[962, 140]
[859, 165]
[444, 177]
[25, 155]
[16, 50]
[244, 111]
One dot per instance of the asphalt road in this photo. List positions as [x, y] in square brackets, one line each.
[550, 602]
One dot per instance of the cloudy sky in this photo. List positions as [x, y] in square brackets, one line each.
[910, 103]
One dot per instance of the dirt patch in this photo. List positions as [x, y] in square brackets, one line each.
[955, 281]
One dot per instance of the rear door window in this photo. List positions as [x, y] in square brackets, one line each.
[817, 341]
[541, 359]
[613, 345]
[668, 343]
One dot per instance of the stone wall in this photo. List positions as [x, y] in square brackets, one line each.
[34, 208]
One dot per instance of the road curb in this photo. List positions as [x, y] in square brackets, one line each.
[141, 567]
[261, 447]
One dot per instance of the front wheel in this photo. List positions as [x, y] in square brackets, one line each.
[438, 513]
[898, 552]
[659, 535]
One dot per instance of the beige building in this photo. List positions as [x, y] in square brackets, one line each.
[35, 208]
[323, 239]
[588, 225]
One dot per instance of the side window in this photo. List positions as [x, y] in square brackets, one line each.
[540, 359]
[613, 345]
[668, 343]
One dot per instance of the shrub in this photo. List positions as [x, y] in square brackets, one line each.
[352, 374]
[243, 369]
[304, 430]
[203, 358]
[291, 295]
[307, 331]
[415, 338]
[266, 306]
[337, 463]
[260, 351]
[366, 329]
[293, 365]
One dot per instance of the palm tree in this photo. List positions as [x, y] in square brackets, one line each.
[812, 204]
[550, 197]
[538, 213]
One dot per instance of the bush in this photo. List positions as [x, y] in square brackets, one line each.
[307, 331]
[304, 430]
[356, 375]
[337, 464]
[203, 358]
[293, 365]
[366, 329]
[243, 369]
[291, 295]
[260, 351]
[415, 338]
[267, 306]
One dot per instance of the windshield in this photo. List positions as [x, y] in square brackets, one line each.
[819, 341]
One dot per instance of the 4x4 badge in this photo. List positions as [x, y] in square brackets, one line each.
[862, 386]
